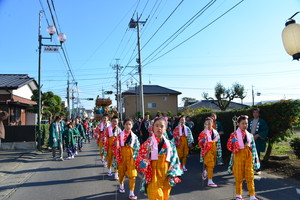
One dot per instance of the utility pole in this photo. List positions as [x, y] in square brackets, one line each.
[136, 100]
[39, 83]
[136, 24]
[77, 102]
[120, 101]
[73, 114]
[62, 38]
[117, 67]
[68, 97]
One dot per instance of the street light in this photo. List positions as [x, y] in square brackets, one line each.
[61, 38]
[291, 37]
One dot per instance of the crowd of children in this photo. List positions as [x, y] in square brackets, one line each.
[158, 149]
[68, 135]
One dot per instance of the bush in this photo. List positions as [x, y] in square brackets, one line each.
[148, 113]
[138, 114]
[195, 111]
[295, 144]
[169, 114]
[281, 117]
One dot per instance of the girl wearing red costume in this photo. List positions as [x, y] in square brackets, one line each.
[244, 158]
[209, 141]
[159, 163]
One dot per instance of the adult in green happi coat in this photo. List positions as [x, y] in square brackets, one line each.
[55, 138]
[260, 129]
[63, 123]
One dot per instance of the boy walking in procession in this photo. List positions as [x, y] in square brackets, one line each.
[111, 134]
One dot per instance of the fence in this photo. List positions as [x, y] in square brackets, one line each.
[20, 133]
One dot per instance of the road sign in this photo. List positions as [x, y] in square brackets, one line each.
[51, 49]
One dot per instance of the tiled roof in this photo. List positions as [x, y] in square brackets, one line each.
[152, 89]
[22, 100]
[14, 81]
[209, 104]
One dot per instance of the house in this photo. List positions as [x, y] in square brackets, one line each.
[214, 107]
[156, 98]
[15, 97]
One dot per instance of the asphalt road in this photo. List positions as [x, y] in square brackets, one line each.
[38, 177]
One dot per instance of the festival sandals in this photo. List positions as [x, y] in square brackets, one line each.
[132, 197]
[212, 185]
[121, 190]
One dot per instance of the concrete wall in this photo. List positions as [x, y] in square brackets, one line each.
[18, 146]
[164, 103]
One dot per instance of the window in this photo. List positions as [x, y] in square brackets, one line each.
[165, 98]
[151, 105]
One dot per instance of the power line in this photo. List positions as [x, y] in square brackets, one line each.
[134, 54]
[154, 59]
[163, 24]
[44, 12]
[181, 29]
[62, 46]
[143, 9]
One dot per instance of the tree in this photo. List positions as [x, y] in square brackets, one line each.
[188, 101]
[223, 96]
[51, 105]
[240, 91]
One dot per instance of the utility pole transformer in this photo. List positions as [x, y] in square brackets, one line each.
[136, 24]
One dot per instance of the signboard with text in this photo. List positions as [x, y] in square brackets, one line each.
[51, 49]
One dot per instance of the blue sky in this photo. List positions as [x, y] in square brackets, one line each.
[243, 46]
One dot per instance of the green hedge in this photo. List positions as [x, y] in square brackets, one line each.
[295, 144]
[280, 116]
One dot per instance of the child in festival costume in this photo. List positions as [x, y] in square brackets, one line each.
[125, 150]
[159, 163]
[209, 141]
[69, 140]
[82, 137]
[184, 139]
[100, 131]
[110, 138]
[244, 158]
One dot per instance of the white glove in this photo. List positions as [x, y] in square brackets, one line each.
[54, 139]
